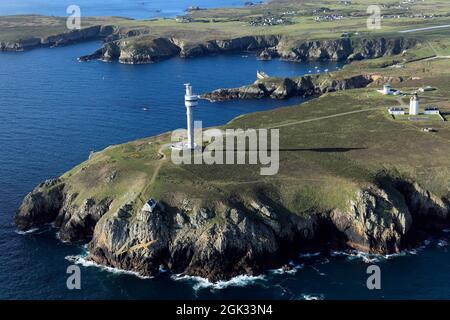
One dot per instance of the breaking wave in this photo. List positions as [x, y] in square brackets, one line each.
[311, 297]
[309, 255]
[442, 243]
[293, 268]
[27, 232]
[375, 258]
[202, 283]
[83, 261]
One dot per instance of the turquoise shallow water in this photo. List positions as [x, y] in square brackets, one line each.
[55, 110]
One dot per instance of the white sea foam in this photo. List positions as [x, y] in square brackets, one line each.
[354, 255]
[27, 232]
[309, 255]
[318, 271]
[58, 237]
[442, 243]
[374, 258]
[293, 270]
[202, 283]
[313, 297]
[83, 261]
[162, 270]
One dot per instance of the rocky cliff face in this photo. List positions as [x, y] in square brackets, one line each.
[132, 52]
[229, 238]
[276, 88]
[147, 49]
[85, 34]
[268, 46]
[241, 44]
[50, 202]
[337, 50]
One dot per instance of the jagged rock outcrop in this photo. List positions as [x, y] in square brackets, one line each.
[374, 222]
[84, 34]
[241, 44]
[336, 50]
[51, 202]
[229, 238]
[41, 206]
[215, 243]
[277, 88]
[78, 223]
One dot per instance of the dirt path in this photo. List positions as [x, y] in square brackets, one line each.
[326, 117]
[160, 163]
[425, 28]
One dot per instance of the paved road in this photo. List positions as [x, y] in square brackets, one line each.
[326, 117]
[425, 28]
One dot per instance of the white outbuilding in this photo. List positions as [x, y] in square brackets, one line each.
[396, 111]
[432, 110]
[387, 90]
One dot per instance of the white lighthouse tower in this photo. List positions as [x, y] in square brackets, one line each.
[414, 105]
[190, 101]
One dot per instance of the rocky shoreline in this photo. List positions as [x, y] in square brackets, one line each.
[283, 88]
[148, 49]
[98, 32]
[235, 237]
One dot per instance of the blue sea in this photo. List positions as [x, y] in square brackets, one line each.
[138, 9]
[55, 110]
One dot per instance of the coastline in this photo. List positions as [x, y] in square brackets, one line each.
[419, 199]
[108, 222]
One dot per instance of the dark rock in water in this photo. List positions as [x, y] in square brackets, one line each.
[287, 268]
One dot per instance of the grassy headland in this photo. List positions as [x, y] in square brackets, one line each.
[350, 175]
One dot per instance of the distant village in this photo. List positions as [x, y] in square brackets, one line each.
[389, 11]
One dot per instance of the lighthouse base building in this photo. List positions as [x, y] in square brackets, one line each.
[414, 105]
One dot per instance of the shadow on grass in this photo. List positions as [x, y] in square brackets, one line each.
[322, 150]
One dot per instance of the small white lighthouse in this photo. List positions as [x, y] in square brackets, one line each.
[387, 89]
[414, 105]
[190, 101]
